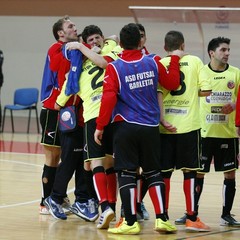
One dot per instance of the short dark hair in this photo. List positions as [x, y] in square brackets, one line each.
[173, 40]
[90, 30]
[140, 27]
[130, 36]
[58, 26]
[215, 42]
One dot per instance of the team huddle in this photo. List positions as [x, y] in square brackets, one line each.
[139, 118]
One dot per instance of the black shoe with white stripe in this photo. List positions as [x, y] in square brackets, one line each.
[228, 220]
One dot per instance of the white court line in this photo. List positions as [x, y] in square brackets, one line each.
[29, 202]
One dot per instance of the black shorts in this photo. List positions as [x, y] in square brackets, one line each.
[91, 149]
[222, 151]
[180, 151]
[49, 123]
[136, 146]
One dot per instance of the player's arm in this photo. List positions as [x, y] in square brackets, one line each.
[108, 102]
[168, 126]
[204, 93]
[62, 97]
[169, 78]
[55, 57]
[92, 55]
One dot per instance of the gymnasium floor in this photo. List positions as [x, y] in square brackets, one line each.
[21, 162]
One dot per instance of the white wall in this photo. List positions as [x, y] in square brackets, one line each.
[25, 41]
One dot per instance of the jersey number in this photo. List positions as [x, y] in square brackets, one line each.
[95, 84]
[182, 84]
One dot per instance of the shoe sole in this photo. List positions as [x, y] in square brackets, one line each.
[51, 212]
[192, 229]
[229, 225]
[132, 231]
[44, 213]
[125, 233]
[164, 230]
[79, 214]
[106, 222]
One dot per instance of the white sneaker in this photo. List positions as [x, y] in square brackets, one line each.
[105, 218]
[43, 210]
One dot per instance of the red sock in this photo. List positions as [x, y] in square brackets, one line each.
[156, 196]
[167, 192]
[112, 187]
[188, 187]
[100, 185]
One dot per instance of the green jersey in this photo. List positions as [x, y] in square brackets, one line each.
[224, 90]
[181, 107]
[91, 85]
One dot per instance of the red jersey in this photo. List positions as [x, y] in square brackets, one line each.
[59, 64]
[237, 118]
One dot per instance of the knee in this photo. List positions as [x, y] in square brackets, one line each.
[127, 178]
[230, 175]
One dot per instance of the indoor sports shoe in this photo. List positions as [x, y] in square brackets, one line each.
[181, 220]
[43, 210]
[228, 220]
[126, 229]
[105, 218]
[82, 211]
[120, 222]
[164, 227]
[54, 208]
[145, 212]
[93, 208]
[196, 226]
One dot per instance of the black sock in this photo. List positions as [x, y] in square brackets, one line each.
[48, 177]
[229, 190]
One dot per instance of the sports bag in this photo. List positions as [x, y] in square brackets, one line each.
[68, 119]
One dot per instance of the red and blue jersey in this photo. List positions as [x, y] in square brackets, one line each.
[137, 98]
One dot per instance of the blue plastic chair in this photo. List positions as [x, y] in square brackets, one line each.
[24, 99]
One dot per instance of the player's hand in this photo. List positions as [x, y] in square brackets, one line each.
[228, 108]
[98, 136]
[96, 49]
[169, 126]
[73, 45]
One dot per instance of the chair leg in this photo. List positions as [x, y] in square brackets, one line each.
[38, 130]
[29, 119]
[3, 120]
[12, 121]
